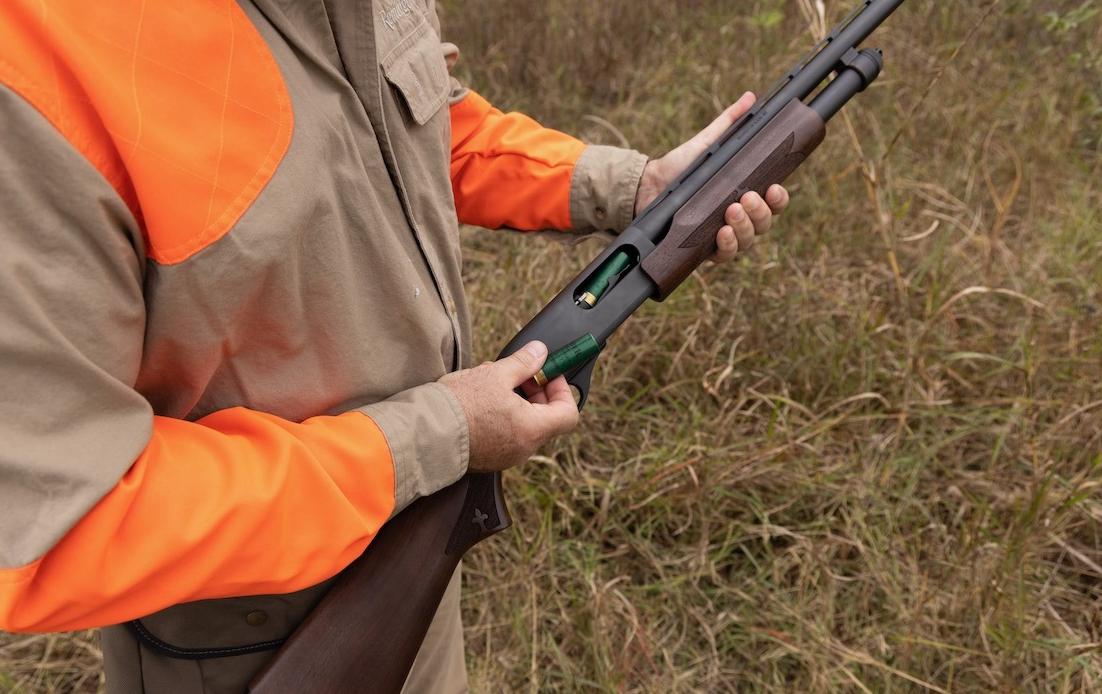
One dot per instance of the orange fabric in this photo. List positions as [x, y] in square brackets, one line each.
[210, 506]
[499, 155]
[191, 69]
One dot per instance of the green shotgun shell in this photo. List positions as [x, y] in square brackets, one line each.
[566, 358]
[597, 284]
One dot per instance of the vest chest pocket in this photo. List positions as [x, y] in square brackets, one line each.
[415, 68]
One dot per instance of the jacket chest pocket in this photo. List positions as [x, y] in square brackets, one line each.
[415, 68]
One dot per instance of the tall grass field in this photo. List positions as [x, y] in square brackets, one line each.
[865, 457]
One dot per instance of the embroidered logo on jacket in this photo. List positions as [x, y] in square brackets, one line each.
[391, 15]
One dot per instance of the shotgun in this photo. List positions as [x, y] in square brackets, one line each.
[365, 633]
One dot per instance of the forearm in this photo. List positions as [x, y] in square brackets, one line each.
[509, 171]
[237, 503]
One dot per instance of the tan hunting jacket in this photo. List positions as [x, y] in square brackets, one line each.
[229, 279]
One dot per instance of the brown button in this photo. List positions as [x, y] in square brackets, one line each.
[601, 214]
[256, 618]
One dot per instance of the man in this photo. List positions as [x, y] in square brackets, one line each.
[234, 338]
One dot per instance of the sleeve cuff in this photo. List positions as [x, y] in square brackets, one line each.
[427, 433]
[603, 187]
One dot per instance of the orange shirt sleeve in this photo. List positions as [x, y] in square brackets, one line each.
[208, 508]
[507, 170]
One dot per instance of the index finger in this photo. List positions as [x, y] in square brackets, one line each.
[560, 412]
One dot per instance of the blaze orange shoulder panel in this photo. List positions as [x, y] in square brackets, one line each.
[250, 495]
[509, 171]
[175, 106]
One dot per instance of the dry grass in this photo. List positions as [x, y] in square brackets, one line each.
[50, 663]
[864, 458]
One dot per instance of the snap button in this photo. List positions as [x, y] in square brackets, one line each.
[601, 214]
[256, 618]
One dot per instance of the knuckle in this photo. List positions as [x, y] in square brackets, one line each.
[524, 358]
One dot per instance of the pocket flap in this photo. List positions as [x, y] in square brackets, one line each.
[417, 69]
[226, 627]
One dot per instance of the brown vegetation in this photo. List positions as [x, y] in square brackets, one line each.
[862, 458]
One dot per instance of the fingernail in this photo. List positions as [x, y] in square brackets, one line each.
[536, 349]
[773, 195]
[739, 214]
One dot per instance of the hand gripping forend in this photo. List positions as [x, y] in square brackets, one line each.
[769, 158]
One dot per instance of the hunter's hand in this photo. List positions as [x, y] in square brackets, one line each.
[504, 428]
[746, 219]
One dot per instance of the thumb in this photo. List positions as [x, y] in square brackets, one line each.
[523, 364]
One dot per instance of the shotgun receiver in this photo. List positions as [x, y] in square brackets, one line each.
[365, 633]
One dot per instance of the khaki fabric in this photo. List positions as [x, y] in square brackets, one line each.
[138, 659]
[413, 278]
[602, 189]
[339, 289]
[330, 293]
[136, 663]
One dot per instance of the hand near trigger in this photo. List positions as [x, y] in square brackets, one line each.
[503, 428]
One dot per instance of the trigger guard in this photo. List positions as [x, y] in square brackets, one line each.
[580, 379]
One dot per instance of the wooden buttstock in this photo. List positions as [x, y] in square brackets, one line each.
[768, 158]
[364, 635]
